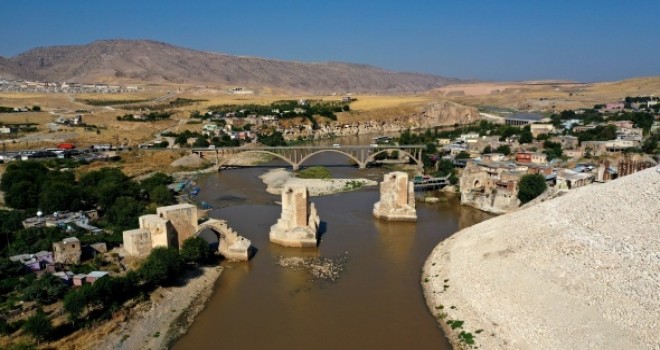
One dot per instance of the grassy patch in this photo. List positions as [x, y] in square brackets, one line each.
[316, 172]
[352, 185]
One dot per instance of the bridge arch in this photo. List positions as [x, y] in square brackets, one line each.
[284, 158]
[372, 157]
[360, 163]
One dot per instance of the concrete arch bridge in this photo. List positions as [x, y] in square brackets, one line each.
[298, 155]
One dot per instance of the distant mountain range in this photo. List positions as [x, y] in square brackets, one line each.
[131, 61]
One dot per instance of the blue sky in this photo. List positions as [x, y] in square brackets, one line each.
[587, 40]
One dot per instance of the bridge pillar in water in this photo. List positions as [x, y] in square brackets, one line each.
[296, 167]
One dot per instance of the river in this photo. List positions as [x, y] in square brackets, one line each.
[376, 303]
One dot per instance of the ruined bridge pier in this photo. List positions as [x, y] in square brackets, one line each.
[296, 156]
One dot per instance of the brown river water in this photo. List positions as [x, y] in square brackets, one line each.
[377, 301]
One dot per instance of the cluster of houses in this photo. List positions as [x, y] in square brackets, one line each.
[490, 181]
[45, 86]
[65, 253]
[66, 220]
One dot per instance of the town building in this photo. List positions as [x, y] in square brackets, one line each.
[541, 128]
[521, 119]
[68, 251]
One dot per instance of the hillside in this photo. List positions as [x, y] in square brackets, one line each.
[116, 61]
[547, 96]
[581, 271]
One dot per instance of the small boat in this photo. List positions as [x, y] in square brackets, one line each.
[195, 191]
[205, 205]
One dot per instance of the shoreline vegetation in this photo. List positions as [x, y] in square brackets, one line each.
[153, 324]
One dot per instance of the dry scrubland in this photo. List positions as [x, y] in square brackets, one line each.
[367, 107]
[529, 96]
[581, 271]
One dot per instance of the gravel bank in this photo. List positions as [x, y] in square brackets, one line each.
[277, 178]
[164, 318]
[581, 271]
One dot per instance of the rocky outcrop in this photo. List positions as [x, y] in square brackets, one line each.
[299, 224]
[439, 113]
[581, 271]
[397, 198]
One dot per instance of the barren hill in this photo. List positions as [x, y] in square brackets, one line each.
[113, 61]
[581, 271]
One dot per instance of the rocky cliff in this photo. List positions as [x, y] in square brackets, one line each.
[438, 113]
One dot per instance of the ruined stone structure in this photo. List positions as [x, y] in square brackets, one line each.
[183, 217]
[299, 224]
[172, 225]
[397, 198]
[230, 244]
[137, 242]
[68, 251]
[491, 187]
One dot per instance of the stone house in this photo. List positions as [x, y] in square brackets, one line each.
[541, 128]
[68, 251]
[491, 187]
[531, 157]
[35, 262]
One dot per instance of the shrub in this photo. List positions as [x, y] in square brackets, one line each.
[530, 187]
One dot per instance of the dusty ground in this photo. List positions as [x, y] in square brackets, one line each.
[549, 96]
[581, 271]
[276, 179]
[153, 324]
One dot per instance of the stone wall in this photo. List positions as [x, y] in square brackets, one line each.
[183, 217]
[162, 231]
[137, 242]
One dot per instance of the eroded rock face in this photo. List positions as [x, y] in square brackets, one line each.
[298, 226]
[439, 113]
[397, 198]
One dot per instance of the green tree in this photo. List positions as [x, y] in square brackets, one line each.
[11, 222]
[487, 150]
[75, 303]
[463, 155]
[36, 108]
[162, 265]
[23, 195]
[650, 145]
[526, 135]
[504, 149]
[124, 213]
[161, 195]
[445, 167]
[530, 187]
[60, 196]
[46, 290]
[195, 250]
[38, 326]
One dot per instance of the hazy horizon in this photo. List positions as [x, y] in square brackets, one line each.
[517, 40]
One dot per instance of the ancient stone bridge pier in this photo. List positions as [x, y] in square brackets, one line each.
[297, 155]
